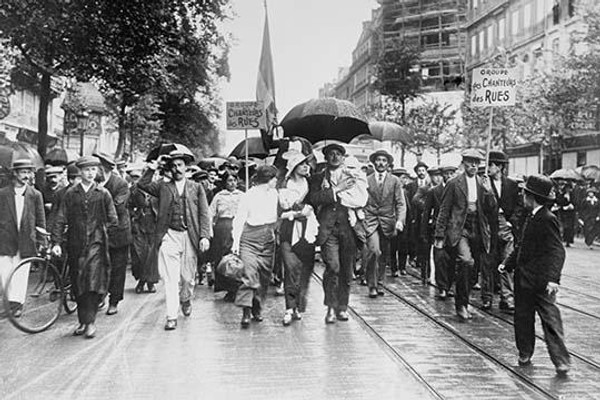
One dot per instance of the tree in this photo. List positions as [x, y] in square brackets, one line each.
[396, 75]
[432, 126]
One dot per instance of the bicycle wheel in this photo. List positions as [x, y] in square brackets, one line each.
[36, 288]
[69, 302]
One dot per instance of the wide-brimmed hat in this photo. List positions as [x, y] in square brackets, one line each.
[87, 161]
[474, 154]
[294, 158]
[381, 152]
[435, 170]
[105, 159]
[22, 163]
[498, 157]
[541, 186]
[333, 146]
[50, 171]
[420, 164]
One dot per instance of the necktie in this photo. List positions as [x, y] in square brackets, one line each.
[381, 179]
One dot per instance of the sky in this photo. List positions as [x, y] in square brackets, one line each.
[310, 41]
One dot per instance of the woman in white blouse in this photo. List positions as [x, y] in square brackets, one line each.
[223, 209]
[254, 241]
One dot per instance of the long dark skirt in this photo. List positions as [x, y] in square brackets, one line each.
[144, 257]
[257, 249]
[221, 246]
[299, 262]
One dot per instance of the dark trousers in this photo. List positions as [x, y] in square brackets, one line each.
[87, 307]
[423, 261]
[377, 247]
[299, 262]
[118, 262]
[339, 254]
[488, 269]
[467, 251]
[399, 251]
[527, 303]
[444, 268]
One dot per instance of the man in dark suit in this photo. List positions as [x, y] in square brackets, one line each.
[464, 224]
[182, 229]
[21, 211]
[538, 262]
[119, 237]
[411, 188]
[385, 214]
[399, 243]
[444, 267]
[506, 191]
[336, 237]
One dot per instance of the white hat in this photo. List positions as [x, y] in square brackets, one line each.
[294, 158]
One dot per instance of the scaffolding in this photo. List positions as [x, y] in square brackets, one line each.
[437, 27]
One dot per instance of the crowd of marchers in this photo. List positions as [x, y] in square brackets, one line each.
[173, 222]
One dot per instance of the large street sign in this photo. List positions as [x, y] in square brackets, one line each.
[496, 87]
[246, 115]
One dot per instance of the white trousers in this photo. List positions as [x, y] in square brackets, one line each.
[18, 287]
[177, 261]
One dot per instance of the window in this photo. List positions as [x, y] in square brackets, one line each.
[473, 45]
[481, 43]
[514, 25]
[527, 16]
[556, 12]
[501, 28]
[540, 10]
[475, 4]
[581, 158]
[490, 36]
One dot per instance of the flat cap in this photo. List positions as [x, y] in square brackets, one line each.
[87, 161]
[474, 154]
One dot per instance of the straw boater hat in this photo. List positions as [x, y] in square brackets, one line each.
[435, 170]
[448, 168]
[105, 159]
[399, 171]
[23, 163]
[381, 152]
[541, 186]
[294, 158]
[50, 171]
[87, 161]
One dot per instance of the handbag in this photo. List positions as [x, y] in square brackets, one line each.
[232, 267]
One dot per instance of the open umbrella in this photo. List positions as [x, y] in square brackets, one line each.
[324, 119]
[60, 156]
[214, 161]
[589, 172]
[14, 151]
[256, 148]
[385, 130]
[566, 173]
[166, 149]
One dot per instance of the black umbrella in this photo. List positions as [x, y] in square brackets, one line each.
[60, 156]
[324, 119]
[166, 149]
[15, 151]
[256, 148]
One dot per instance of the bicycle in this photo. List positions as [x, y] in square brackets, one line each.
[48, 290]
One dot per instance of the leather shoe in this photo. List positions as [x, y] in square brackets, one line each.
[524, 361]
[442, 295]
[186, 308]
[380, 291]
[80, 330]
[90, 331]
[151, 288]
[171, 325]
[487, 305]
[296, 315]
[373, 292]
[257, 317]
[246, 318]
[508, 308]
[330, 317]
[287, 318]
[403, 272]
[395, 274]
[342, 315]
[462, 313]
[112, 309]
[450, 293]
[139, 288]
[562, 369]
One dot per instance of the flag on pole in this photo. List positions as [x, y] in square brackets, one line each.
[265, 87]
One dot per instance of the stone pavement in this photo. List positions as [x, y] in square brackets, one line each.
[207, 357]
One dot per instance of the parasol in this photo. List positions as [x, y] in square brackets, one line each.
[325, 119]
[566, 174]
[385, 130]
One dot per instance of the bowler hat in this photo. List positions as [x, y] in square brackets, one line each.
[419, 165]
[381, 152]
[73, 171]
[333, 146]
[541, 186]
[473, 154]
[105, 159]
[87, 161]
[22, 163]
[498, 157]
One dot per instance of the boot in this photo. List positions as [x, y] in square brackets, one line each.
[246, 315]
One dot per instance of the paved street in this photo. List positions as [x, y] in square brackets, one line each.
[387, 350]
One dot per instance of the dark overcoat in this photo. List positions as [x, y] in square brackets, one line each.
[120, 235]
[197, 212]
[87, 217]
[453, 212]
[433, 200]
[385, 205]
[540, 257]
[12, 239]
